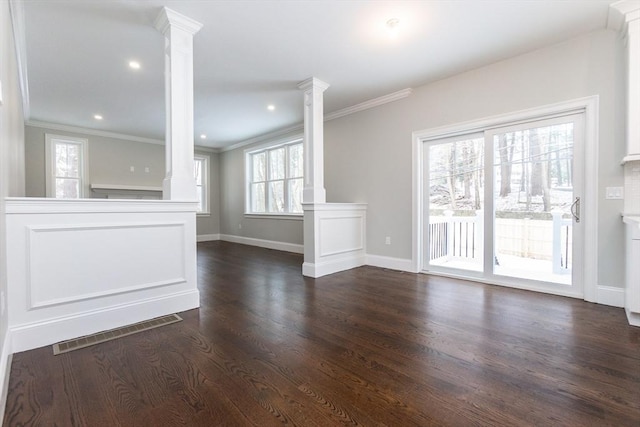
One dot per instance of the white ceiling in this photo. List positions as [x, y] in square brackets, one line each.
[253, 53]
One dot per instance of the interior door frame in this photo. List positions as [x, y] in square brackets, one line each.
[589, 107]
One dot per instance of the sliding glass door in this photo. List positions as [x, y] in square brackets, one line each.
[504, 205]
[456, 203]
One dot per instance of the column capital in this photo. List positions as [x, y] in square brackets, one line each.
[621, 13]
[178, 30]
[313, 83]
[169, 18]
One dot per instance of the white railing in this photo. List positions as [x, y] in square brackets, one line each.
[462, 237]
[456, 237]
[561, 243]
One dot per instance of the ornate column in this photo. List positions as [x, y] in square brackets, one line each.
[313, 191]
[179, 182]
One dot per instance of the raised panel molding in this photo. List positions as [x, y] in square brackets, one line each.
[58, 274]
[84, 266]
[334, 237]
[339, 235]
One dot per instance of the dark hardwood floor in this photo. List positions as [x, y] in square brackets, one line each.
[364, 347]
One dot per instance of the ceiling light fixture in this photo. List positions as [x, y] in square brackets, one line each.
[134, 64]
[203, 136]
[392, 27]
[271, 107]
[97, 116]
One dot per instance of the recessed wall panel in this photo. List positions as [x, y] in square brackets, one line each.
[71, 263]
[340, 235]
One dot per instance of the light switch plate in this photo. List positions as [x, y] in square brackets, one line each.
[614, 193]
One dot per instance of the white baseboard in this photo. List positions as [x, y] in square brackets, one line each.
[633, 318]
[332, 266]
[269, 244]
[5, 369]
[608, 295]
[50, 331]
[391, 263]
[207, 237]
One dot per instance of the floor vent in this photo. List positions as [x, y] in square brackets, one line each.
[100, 337]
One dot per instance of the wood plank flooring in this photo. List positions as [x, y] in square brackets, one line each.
[364, 347]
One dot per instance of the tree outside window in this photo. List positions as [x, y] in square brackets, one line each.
[275, 179]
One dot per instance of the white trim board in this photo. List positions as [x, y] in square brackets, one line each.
[49, 331]
[399, 264]
[334, 265]
[268, 244]
[207, 237]
[609, 295]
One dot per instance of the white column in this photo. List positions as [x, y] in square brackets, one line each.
[179, 182]
[313, 191]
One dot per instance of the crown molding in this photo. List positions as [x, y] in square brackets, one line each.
[107, 134]
[206, 149]
[375, 102]
[95, 132]
[288, 131]
[293, 130]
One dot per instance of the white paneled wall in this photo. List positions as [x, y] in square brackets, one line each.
[82, 266]
[335, 237]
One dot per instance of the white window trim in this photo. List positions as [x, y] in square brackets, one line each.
[50, 164]
[590, 107]
[206, 183]
[247, 179]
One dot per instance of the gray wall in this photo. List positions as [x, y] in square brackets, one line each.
[232, 204]
[110, 160]
[210, 224]
[368, 154]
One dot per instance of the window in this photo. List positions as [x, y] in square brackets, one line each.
[201, 172]
[65, 167]
[275, 179]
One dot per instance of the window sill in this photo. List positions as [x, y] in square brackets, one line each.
[199, 214]
[292, 217]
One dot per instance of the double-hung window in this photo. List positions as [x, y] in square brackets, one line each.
[201, 172]
[65, 167]
[275, 179]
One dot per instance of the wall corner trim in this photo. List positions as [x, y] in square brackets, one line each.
[610, 295]
[268, 244]
[207, 237]
[399, 264]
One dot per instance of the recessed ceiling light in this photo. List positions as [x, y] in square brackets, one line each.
[271, 107]
[97, 116]
[203, 136]
[134, 64]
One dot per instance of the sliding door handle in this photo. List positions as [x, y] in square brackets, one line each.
[575, 209]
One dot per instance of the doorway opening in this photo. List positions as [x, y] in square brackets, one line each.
[503, 201]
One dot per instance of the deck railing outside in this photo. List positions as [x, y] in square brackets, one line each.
[462, 237]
